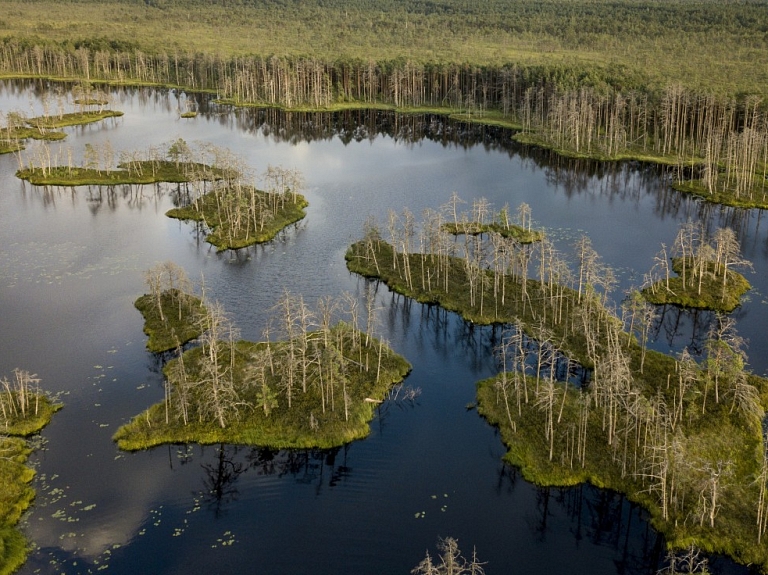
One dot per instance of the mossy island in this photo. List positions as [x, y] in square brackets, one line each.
[692, 455]
[173, 315]
[24, 411]
[237, 215]
[482, 220]
[484, 277]
[679, 435]
[18, 128]
[175, 162]
[312, 388]
[705, 276]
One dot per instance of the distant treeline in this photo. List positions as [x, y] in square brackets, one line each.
[602, 112]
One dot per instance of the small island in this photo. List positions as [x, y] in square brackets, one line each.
[174, 163]
[312, 388]
[477, 222]
[24, 411]
[682, 437]
[173, 315]
[485, 278]
[705, 275]
[239, 215]
[18, 128]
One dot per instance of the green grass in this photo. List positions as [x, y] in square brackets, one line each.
[139, 172]
[713, 295]
[182, 320]
[486, 310]
[705, 431]
[521, 234]
[71, 119]
[13, 550]
[9, 147]
[44, 128]
[280, 426]
[12, 140]
[33, 422]
[220, 211]
[702, 437]
[722, 43]
[16, 494]
[638, 154]
[757, 197]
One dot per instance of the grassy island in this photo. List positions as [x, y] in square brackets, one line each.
[12, 139]
[697, 464]
[500, 224]
[18, 128]
[311, 389]
[754, 194]
[705, 278]
[478, 296]
[72, 119]
[176, 162]
[708, 290]
[238, 215]
[138, 172]
[173, 315]
[680, 436]
[24, 411]
[519, 233]
[485, 278]
[179, 325]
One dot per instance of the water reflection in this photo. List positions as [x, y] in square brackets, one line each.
[163, 511]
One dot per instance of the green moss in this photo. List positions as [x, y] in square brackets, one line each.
[42, 410]
[521, 234]
[12, 140]
[756, 197]
[425, 287]
[314, 418]
[72, 119]
[182, 319]
[13, 550]
[16, 494]
[701, 437]
[139, 172]
[9, 147]
[631, 154]
[711, 293]
[90, 101]
[569, 443]
[43, 128]
[223, 211]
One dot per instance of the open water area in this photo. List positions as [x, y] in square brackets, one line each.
[71, 266]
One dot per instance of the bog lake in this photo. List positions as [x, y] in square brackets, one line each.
[71, 266]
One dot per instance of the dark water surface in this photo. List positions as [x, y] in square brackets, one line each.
[71, 266]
